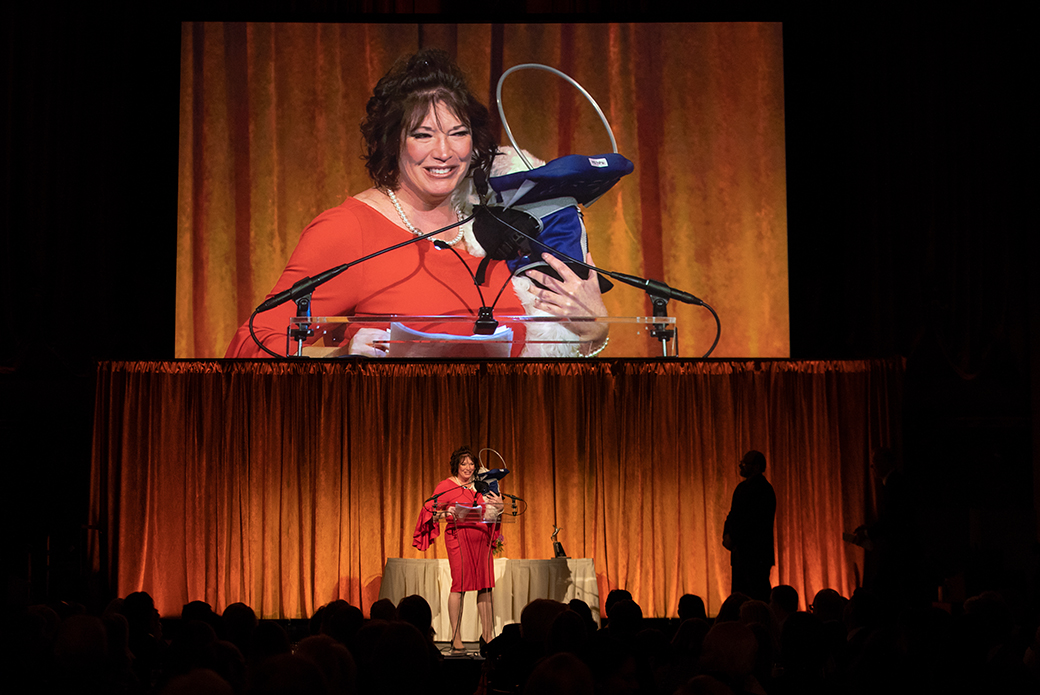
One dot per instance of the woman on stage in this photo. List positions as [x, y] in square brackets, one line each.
[470, 531]
[425, 134]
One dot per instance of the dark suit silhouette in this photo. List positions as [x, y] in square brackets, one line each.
[749, 526]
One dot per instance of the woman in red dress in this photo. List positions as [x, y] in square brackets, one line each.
[425, 133]
[470, 531]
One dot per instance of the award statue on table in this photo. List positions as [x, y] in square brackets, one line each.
[558, 550]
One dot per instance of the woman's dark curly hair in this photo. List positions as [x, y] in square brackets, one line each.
[457, 456]
[403, 97]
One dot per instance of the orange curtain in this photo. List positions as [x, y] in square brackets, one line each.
[269, 138]
[287, 485]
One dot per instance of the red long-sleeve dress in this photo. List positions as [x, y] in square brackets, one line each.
[469, 542]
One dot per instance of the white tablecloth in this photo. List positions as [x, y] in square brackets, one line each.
[517, 583]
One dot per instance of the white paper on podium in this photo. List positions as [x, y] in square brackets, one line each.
[407, 342]
[463, 512]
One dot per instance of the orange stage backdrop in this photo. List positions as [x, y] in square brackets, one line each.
[269, 138]
[286, 485]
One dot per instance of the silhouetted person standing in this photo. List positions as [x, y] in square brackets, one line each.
[748, 533]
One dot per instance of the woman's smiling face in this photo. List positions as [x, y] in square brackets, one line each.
[466, 470]
[434, 158]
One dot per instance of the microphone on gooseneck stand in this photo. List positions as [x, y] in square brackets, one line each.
[655, 288]
[486, 324]
[495, 228]
[480, 182]
[500, 244]
[301, 289]
[505, 246]
[488, 480]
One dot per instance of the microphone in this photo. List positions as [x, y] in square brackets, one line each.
[480, 182]
[504, 233]
[488, 480]
[307, 285]
[486, 324]
[654, 288]
[304, 287]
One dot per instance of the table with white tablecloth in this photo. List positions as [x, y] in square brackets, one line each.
[517, 583]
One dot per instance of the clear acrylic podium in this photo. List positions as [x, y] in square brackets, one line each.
[451, 337]
[461, 513]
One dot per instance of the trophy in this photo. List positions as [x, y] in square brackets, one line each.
[558, 550]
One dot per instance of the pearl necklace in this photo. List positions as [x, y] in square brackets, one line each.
[415, 230]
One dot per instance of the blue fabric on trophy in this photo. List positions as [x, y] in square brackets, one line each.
[552, 193]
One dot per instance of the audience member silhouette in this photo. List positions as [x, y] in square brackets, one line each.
[613, 597]
[537, 617]
[203, 612]
[583, 609]
[416, 611]
[192, 647]
[383, 609]
[269, 640]
[286, 674]
[334, 661]
[684, 655]
[615, 666]
[81, 662]
[240, 623]
[400, 663]
[341, 621]
[729, 656]
[626, 619]
[560, 674]
[117, 632]
[803, 656]
[691, 606]
[201, 681]
[759, 618]
[514, 653]
[145, 637]
[730, 609]
[828, 605]
[783, 601]
[568, 633]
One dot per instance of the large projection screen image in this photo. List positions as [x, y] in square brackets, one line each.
[270, 138]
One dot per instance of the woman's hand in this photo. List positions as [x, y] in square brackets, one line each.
[493, 506]
[494, 500]
[571, 296]
[363, 342]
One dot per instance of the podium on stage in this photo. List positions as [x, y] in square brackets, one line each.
[461, 513]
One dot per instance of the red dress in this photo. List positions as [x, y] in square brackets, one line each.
[468, 542]
[417, 279]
